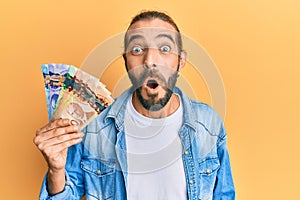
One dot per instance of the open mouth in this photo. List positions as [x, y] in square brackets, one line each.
[152, 84]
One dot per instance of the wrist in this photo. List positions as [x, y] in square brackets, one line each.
[56, 181]
[53, 171]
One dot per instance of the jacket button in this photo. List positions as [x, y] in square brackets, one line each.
[208, 171]
[186, 152]
[191, 182]
[98, 172]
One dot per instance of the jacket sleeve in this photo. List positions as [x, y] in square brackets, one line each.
[224, 188]
[74, 188]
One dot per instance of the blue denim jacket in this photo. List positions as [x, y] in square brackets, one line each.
[97, 167]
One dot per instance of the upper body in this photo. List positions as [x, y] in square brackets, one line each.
[99, 164]
[204, 154]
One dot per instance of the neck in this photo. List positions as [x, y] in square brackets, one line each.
[167, 110]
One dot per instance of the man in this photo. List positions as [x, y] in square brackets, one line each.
[153, 142]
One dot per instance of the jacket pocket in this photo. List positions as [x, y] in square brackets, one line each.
[99, 178]
[208, 169]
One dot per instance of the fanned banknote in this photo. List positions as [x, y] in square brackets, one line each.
[54, 76]
[81, 98]
[46, 76]
[68, 81]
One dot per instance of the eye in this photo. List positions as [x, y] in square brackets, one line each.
[165, 49]
[136, 50]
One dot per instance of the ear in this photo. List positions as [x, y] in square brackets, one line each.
[182, 59]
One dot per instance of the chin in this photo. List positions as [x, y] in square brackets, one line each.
[153, 101]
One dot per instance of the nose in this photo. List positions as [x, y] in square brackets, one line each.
[151, 57]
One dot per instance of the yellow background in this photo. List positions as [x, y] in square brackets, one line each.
[255, 45]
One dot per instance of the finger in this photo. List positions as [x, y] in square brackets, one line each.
[60, 139]
[57, 132]
[53, 150]
[55, 124]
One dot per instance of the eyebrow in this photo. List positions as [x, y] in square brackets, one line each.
[164, 35]
[134, 37]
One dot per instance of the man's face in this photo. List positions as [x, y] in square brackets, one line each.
[75, 111]
[152, 61]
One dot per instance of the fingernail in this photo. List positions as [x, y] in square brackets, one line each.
[73, 122]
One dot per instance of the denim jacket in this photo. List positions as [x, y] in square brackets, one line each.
[97, 167]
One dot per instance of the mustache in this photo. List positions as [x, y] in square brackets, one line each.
[139, 80]
[164, 76]
[154, 74]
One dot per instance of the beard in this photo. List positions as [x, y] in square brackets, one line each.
[153, 103]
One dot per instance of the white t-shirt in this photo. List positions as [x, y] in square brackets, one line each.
[154, 156]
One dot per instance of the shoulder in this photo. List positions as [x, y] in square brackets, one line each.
[200, 115]
[204, 110]
[207, 117]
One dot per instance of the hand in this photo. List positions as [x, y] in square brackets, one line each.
[53, 140]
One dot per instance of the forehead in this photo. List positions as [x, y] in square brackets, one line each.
[150, 28]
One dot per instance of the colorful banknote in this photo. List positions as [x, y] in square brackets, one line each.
[81, 96]
[46, 76]
[68, 81]
[54, 77]
[57, 73]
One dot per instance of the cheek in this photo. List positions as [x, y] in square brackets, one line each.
[134, 61]
[173, 61]
[170, 61]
